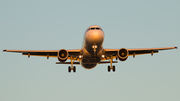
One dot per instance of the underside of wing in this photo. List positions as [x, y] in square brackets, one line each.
[120, 53]
[133, 52]
[44, 53]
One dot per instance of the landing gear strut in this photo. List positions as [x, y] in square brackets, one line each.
[111, 66]
[72, 67]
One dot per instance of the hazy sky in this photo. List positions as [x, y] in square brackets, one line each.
[57, 24]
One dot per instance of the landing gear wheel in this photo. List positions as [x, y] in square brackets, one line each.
[69, 69]
[109, 68]
[74, 68]
[113, 68]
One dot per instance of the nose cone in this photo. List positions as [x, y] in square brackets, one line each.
[95, 37]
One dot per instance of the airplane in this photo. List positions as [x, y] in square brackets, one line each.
[92, 52]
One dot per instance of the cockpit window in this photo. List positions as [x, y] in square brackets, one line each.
[88, 29]
[94, 28]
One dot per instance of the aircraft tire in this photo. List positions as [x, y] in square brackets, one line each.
[69, 69]
[74, 68]
[109, 69]
[114, 68]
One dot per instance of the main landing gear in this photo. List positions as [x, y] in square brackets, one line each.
[72, 68]
[111, 66]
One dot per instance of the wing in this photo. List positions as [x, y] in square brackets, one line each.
[44, 53]
[133, 52]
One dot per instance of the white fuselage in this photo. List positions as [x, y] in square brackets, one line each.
[92, 47]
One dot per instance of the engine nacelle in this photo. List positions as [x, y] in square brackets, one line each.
[123, 54]
[62, 55]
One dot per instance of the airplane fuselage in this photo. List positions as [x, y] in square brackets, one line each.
[92, 47]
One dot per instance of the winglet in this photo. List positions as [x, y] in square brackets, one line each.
[4, 50]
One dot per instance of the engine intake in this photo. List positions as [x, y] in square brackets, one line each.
[62, 55]
[123, 54]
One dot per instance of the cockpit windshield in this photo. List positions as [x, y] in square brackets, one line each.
[94, 28]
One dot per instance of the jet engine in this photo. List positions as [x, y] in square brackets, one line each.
[62, 55]
[123, 54]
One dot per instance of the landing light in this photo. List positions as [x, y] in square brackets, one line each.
[94, 46]
[80, 56]
[103, 56]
